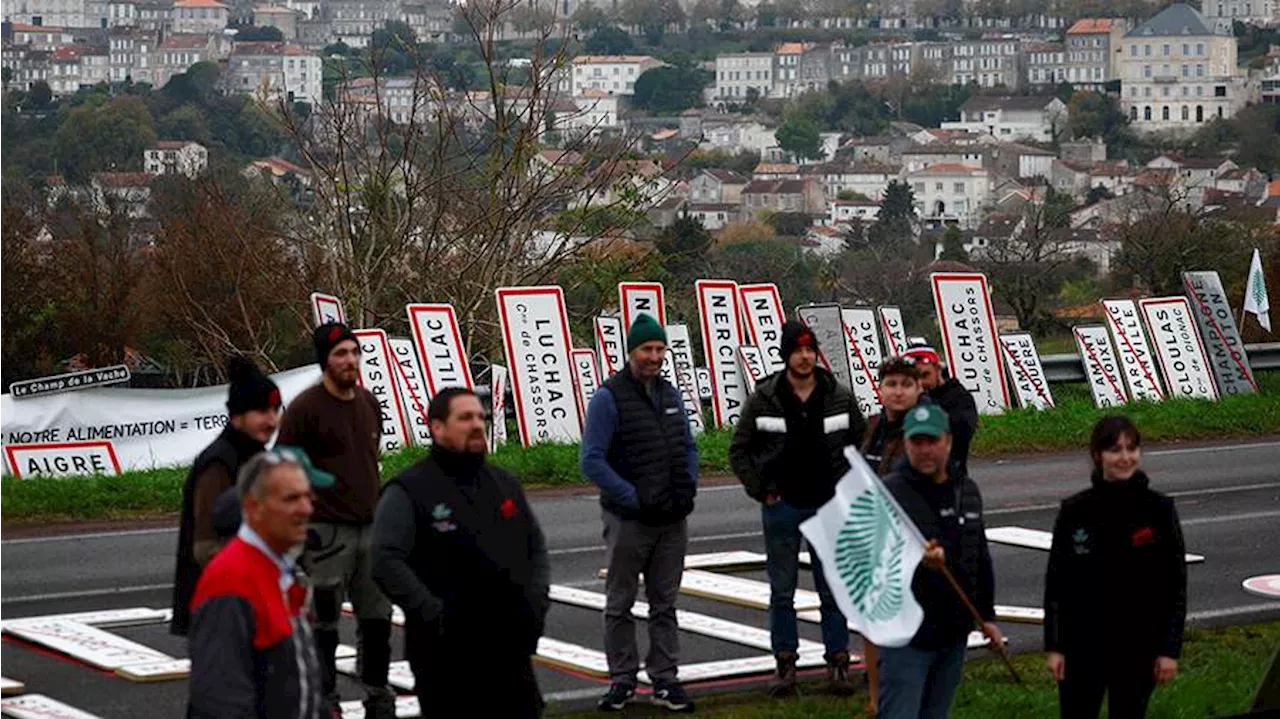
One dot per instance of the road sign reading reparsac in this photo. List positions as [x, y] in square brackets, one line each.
[69, 382]
[440, 350]
[864, 357]
[1026, 371]
[680, 350]
[377, 374]
[327, 308]
[895, 331]
[1218, 330]
[1139, 365]
[763, 317]
[413, 391]
[721, 337]
[1178, 347]
[611, 341]
[637, 298]
[969, 336]
[535, 334]
[61, 459]
[827, 325]
[1100, 366]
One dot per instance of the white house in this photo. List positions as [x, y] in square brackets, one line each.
[739, 76]
[865, 179]
[595, 112]
[1012, 118]
[713, 215]
[950, 193]
[199, 16]
[281, 70]
[843, 212]
[175, 157]
[609, 74]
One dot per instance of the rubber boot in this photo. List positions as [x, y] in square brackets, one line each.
[784, 681]
[838, 675]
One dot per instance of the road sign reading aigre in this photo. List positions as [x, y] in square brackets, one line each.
[70, 381]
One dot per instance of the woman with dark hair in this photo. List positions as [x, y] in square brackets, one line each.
[1115, 595]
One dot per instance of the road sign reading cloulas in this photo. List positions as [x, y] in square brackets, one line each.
[762, 315]
[721, 337]
[1139, 365]
[1177, 344]
[535, 337]
[969, 337]
[1100, 366]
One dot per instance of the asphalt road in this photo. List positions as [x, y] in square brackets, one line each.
[1228, 498]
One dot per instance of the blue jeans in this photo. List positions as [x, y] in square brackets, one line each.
[782, 544]
[919, 683]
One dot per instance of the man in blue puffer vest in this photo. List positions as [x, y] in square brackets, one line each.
[639, 450]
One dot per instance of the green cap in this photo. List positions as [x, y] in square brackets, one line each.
[645, 329]
[929, 419]
[319, 478]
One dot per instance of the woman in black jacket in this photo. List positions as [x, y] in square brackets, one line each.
[1115, 594]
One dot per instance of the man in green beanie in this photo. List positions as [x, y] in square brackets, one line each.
[638, 448]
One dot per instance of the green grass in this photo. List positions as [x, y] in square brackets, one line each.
[1065, 428]
[1218, 675]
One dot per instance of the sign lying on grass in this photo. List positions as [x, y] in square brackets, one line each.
[1140, 373]
[148, 428]
[1100, 366]
[535, 336]
[71, 381]
[969, 338]
[1177, 341]
[61, 459]
[1218, 330]
[763, 317]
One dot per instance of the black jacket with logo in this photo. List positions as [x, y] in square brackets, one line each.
[793, 449]
[950, 513]
[1117, 576]
[962, 410]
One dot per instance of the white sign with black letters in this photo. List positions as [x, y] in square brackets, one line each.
[827, 325]
[753, 366]
[1026, 371]
[1100, 366]
[969, 336]
[1139, 365]
[611, 341]
[62, 459]
[440, 350]
[763, 316]
[377, 374]
[535, 334]
[721, 337]
[680, 350]
[864, 357]
[327, 308]
[413, 392]
[895, 331]
[641, 298]
[587, 375]
[704, 382]
[498, 405]
[1178, 347]
[71, 381]
[1218, 329]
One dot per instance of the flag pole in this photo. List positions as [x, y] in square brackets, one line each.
[977, 618]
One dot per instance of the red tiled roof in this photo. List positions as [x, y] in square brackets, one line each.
[200, 4]
[951, 167]
[23, 27]
[1093, 25]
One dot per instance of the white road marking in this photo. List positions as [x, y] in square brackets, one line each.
[93, 535]
[1202, 615]
[1229, 518]
[87, 593]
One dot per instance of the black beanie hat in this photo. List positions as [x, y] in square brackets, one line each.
[327, 336]
[250, 389]
[796, 334]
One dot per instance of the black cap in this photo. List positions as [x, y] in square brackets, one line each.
[250, 389]
[329, 335]
[796, 334]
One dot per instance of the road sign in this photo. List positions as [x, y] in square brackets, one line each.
[69, 382]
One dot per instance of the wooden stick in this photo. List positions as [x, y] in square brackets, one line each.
[977, 618]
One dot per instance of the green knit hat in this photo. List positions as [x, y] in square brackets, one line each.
[645, 329]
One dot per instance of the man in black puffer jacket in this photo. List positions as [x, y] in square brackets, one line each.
[788, 451]
[638, 448]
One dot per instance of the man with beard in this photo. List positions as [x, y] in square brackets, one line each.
[339, 425]
[788, 451]
[952, 397]
[456, 546]
[253, 413]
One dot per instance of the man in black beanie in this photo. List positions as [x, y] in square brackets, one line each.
[788, 451]
[253, 409]
[338, 424]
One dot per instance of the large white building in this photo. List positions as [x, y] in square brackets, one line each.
[610, 74]
[950, 194]
[738, 75]
[279, 70]
[1222, 13]
[1012, 118]
[199, 16]
[1176, 72]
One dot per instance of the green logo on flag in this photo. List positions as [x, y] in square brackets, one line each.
[1259, 295]
[869, 557]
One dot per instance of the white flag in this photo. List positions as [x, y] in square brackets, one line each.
[1255, 293]
[869, 551]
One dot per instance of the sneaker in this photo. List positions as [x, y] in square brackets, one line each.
[784, 680]
[672, 697]
[838, 675]
[618, 696]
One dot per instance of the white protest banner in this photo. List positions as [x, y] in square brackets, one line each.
[148, 428]
[895, 330]
[440, 350]
[703, 376]
[1221, 336]
[1140, 373]
[827, 325]
[327, 308]
[680, 350]
[1100, 366]
[864, 357]
[413, 393]
[763, 317]
[1182, 356]
[871, 550]
[586, 374]
[498, 406]
[62, 459]
[1026, 371]
[378, 369]
[637, 298]
[721, 337]
[753, 366]
[969, 337]
[535, 334]
[611, 341]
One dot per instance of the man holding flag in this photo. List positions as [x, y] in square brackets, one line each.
[1255, 294]
[874, 536]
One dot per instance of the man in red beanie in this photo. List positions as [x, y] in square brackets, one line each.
[952, 397]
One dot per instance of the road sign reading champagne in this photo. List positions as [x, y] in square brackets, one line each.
[587, 375]
[1218, 329]
[440, 349]
[721, 337]
[535, 337]
[377, 374]
[498, 407]
[611, 340]
[1139, 365]
[864, 357]
[327, 308]
[1100, 366]
[895, 331]
[969, 337]
[413, 392]
[637, 298]
[762, 314]
[827, 325]
[1178, 347]
[1025, 369]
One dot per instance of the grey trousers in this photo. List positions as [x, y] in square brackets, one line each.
[658, 553]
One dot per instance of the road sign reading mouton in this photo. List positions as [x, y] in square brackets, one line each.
[969, 337]
[1218, 329]
[536, 340]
